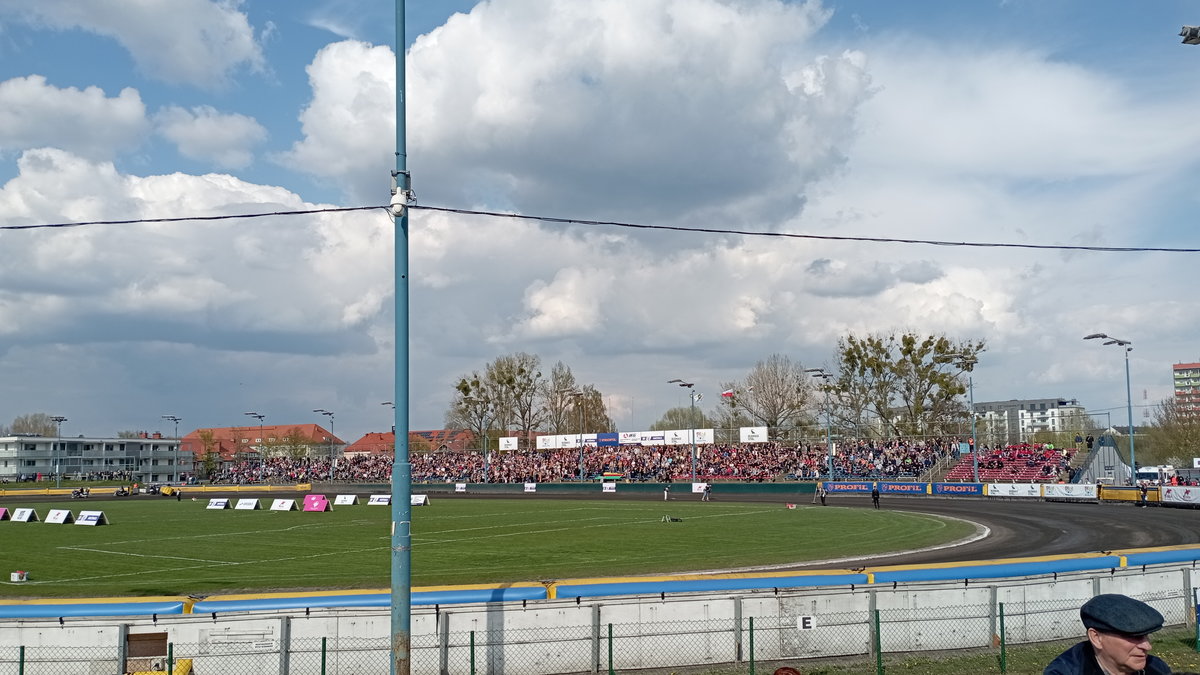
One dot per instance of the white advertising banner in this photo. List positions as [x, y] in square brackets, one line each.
[1179, 494]
[652, 437]
[59, 517]
[698, 488]
[568, 441]
[91, 518]
[531, 487]
[1014, 490]
[345, 500]
[704, 436]
[629, 437]
[752, 434]
[246, 505]
[547, 442]
[218, 504]
[379, 500]
[508, 443]
[418, 500]
[460, 487]
[608, 487]
[24, 516]
[284, 505]
[1070, 491]
[678, 437]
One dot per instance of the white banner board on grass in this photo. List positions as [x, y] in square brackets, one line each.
[1014, 490]
[24, 516]
[59, 517]
[217, 504]
[380, 500]
[1069, 491]
[283, 505]
[91, 518]
[247, 504]
[1177, 494]
[418, 500]
[345, 500]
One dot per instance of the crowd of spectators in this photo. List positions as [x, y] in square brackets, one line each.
[752, 462]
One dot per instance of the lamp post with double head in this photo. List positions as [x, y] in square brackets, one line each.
[690, 386]
[1126, 346]
[967, 362]
[332, 459]
[577, 399]
[260, 417]
[55, 454]
[824, 376]
[176, 420]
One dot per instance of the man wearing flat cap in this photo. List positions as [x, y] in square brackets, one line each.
[1118, 632]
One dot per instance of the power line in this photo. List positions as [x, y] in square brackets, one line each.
[181, 219]
[636, 226]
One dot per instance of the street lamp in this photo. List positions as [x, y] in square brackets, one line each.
[259, 417]
[485, 426]
[393, 405]
[967, 363]
[821, 374]
[578, 407]
[176, 420]
[332, 460]
[58, 420]
[1190, 35]
[1127, 347]
[691, 417]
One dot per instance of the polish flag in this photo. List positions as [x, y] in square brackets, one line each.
[728, 393]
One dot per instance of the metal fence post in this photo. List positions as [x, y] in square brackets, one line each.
[1196, 604]
[595, 639]
[737, 630]
[21, 660]
[1189, 616]
[878, 645]
[992, 616]
[472, 652]
[443, 631]
[610, 651]
[751, 645]
[324, 653]
[285, 645]
[170, 658]
[122, 646]
[1003, 643]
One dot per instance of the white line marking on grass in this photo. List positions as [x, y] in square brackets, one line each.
[140, 555]
[224, 534]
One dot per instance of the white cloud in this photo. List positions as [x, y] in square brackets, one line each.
[203, 133]
[199, 42]
[34, 114]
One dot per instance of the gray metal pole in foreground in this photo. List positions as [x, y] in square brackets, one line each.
[401, 661]
[176, 420]
[1127, 346]
[58, 420]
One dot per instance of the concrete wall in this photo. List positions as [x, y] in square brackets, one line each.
[564, 636]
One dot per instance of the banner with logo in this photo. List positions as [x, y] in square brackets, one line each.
[509, 442]
[1070, 491]
[1180, 494]
[1014, 490]
[752, 434]
[850, 486]
[958, 488]
[547, 442]
[629, 437]
[607, 440]
[903, 488]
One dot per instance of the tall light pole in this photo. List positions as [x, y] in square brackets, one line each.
[58, 420]
[821, 374]
[1127, 346]
[690, 386]
[393, 406]
[259, 417]
[576, 396]
[332, 460]
[485, 423]
[176, 420]
[967, 362]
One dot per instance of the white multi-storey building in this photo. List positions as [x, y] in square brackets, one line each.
[147, 459]
[1016, 420]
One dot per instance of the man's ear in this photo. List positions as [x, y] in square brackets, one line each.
[1094, 637]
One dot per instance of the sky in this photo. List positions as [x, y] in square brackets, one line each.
[1070, 123]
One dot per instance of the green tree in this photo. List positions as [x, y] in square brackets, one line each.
[776, 393]
[911, 383]
[1173, 434]
[208, 452]
[684, 417]
[516, 381]
[589, 413]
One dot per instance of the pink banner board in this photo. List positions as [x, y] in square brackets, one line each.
[3, 514]
[316, 503]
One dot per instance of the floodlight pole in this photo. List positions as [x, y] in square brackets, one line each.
[690, 386]
[1127, 346]
[176, 420]
[332, 461]
[824, 376]
[58, 420]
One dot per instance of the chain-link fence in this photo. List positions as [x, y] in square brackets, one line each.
[874, 638]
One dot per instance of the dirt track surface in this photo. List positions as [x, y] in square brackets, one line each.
[1017, 527]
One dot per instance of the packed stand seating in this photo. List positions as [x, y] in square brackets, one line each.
[889, 459]
[1020, 463]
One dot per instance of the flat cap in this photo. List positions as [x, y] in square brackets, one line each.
[1113, 613]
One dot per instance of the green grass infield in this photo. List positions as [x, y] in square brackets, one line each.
[160, 546]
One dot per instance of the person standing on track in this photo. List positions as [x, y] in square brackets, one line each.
[666, 492]
[705, 496]
[822, 492]
[875, 494]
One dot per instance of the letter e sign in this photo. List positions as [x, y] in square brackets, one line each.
[806, 622]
